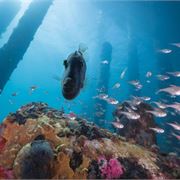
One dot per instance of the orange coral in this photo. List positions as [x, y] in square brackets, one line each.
[62, 169]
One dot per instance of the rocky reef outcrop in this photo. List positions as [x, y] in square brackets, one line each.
[137, 130]
[41, 142]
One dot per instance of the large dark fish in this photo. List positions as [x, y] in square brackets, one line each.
[74, 75]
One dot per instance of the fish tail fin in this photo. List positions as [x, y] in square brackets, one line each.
[82, 48]
[157, 92]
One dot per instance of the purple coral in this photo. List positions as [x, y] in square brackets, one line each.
[111, 169]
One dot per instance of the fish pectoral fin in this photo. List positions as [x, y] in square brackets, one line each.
[84, 84]
[56, 77]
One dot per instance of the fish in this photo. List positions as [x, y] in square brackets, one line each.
[136, 100]
[175, 106]
[160, 105]
[158, 130]
[162, 77]
[158, 113]
[131, 115]
[74, 75]
[105, 62]
[145, 98]
[175, 126]
[101, 89]
[33, 88]
[175, 74]
[134, 82]
[117, 125]
[71, 116]
[116, 86]
[165, 51]
[133, 107]
[112, 101]
[10, 101]
[176, 44]
[123, 73]
[148, 74]
[177, 136]
[172, 89]
[14, 94]
[139, 86]
[102, 96]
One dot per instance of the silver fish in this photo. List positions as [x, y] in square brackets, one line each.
[105, 62]
[158, 113]
[148, 74]
[160, 105]
[176, 44]
[103, 96]
[116, 86]
[175, 74]
[123, 73]
[136, 100]
[145, 98]
[134, 82]
[165, 51]
[162, 77]
[158, 130]
[112, 101]
[177, 136]
[175, 106]
[172, 89]
[139, 86]
[33, 88]
[117, 125]
[131, 115]
[175, 126]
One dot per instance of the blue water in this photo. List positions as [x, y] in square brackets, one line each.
[135, 30]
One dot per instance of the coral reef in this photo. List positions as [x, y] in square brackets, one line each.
[137, 130]
[41, 142]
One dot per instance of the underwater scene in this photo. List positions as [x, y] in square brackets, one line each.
[89, 89]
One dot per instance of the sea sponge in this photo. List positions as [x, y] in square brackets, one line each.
[34, 161]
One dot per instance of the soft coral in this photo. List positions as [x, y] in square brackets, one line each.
[2, 139]
[111, 169]
[5, 173]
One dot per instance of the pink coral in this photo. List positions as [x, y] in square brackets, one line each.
[5, 173]
[111, 169]
[2, 143]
